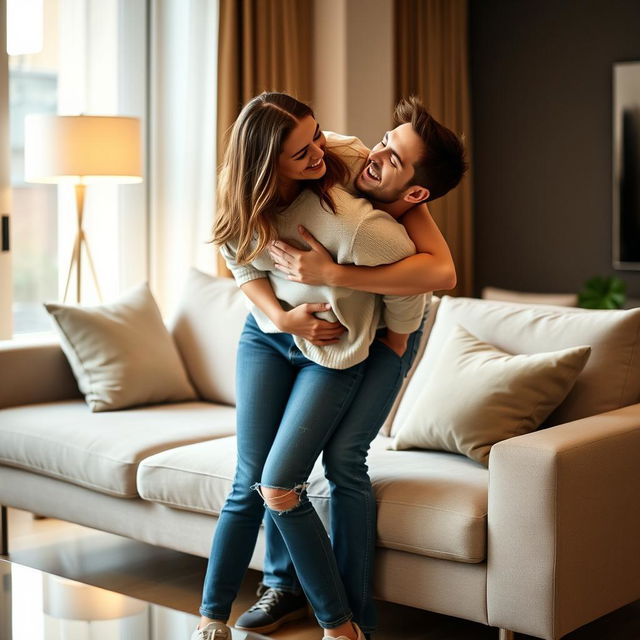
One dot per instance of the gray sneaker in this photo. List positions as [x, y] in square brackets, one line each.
[274, 609]
[213, 631]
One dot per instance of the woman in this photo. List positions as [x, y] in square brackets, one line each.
[292, 392]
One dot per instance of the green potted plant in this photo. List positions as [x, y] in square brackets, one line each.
[603, 293]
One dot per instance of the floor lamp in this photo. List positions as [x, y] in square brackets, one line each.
[81, 150]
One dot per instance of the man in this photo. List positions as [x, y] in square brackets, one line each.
[418, 161]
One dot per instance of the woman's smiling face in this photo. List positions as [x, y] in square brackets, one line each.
[302, 153]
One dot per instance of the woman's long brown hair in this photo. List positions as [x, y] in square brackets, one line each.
[247, 191]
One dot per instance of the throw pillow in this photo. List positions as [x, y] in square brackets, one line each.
[480, 395]
[206, 329]
[121, 354]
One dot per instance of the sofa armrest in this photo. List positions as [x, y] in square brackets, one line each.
[564, 524]
[34, 372]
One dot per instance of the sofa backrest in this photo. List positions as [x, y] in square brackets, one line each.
[212, 312]
[610, 379]
[35, 371]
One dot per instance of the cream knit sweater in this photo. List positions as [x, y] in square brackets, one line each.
[356, 234]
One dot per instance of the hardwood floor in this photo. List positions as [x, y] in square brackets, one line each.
[174, 580]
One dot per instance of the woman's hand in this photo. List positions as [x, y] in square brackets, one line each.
[314, 267]
[301, 322]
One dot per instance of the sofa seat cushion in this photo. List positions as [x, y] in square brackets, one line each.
[101, 451]
[429, 503]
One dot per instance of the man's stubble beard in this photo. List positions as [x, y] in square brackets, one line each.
[372, 195]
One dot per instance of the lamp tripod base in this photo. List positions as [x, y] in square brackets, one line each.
[80, 242]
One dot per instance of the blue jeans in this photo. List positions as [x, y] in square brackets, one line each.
[353, 505]
[287, 409]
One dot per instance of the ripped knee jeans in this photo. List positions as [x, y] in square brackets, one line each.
[280, 499]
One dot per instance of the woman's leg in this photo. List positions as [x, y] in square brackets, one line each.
[353, 505]
[264, 381]
[318, 401]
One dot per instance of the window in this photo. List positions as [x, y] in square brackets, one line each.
[33, 88]
[93, 61]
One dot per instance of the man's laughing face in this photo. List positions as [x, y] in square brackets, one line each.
[389, 168]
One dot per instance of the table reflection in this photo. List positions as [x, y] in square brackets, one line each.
[36, 605]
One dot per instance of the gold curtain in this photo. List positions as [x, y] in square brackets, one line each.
[431, 42]
[263, 45]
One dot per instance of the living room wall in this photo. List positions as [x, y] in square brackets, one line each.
[542, 120]
[353, 82]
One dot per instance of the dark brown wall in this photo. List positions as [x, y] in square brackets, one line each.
[541, 92]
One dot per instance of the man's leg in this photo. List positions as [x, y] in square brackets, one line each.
[353, 505]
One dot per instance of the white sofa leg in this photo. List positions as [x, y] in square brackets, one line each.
[4, 532]
[505, 634]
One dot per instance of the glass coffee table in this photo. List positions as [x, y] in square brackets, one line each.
[35, 605]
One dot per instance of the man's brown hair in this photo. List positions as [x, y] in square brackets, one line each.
[443, 164]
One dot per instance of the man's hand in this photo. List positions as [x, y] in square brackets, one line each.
[301, 322]
[395, 341]
[315, 266]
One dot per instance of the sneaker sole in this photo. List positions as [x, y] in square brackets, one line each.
[298, 614]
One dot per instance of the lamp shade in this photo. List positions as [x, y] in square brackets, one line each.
[82, 149]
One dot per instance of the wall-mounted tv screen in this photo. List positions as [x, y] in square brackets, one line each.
[626, 165]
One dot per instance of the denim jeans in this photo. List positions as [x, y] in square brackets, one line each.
[353, 505]
[287, 409]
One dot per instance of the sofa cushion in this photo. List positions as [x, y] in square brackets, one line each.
[609, 380]
[483, 395]
[206, 329]
[429, 503]
[121, 353]
[101, 451]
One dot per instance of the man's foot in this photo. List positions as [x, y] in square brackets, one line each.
[274, 608]
[356, 628]
[212, 631]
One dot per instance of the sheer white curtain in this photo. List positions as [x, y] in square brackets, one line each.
[6, 325]
[183, 79]
[103, 70]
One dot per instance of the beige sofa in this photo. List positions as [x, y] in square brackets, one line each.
[541, 542]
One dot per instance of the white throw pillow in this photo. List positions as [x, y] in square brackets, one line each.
[121, 353]
[206, 329]
[479, 395]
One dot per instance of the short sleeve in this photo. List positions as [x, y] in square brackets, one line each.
[379, 239]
